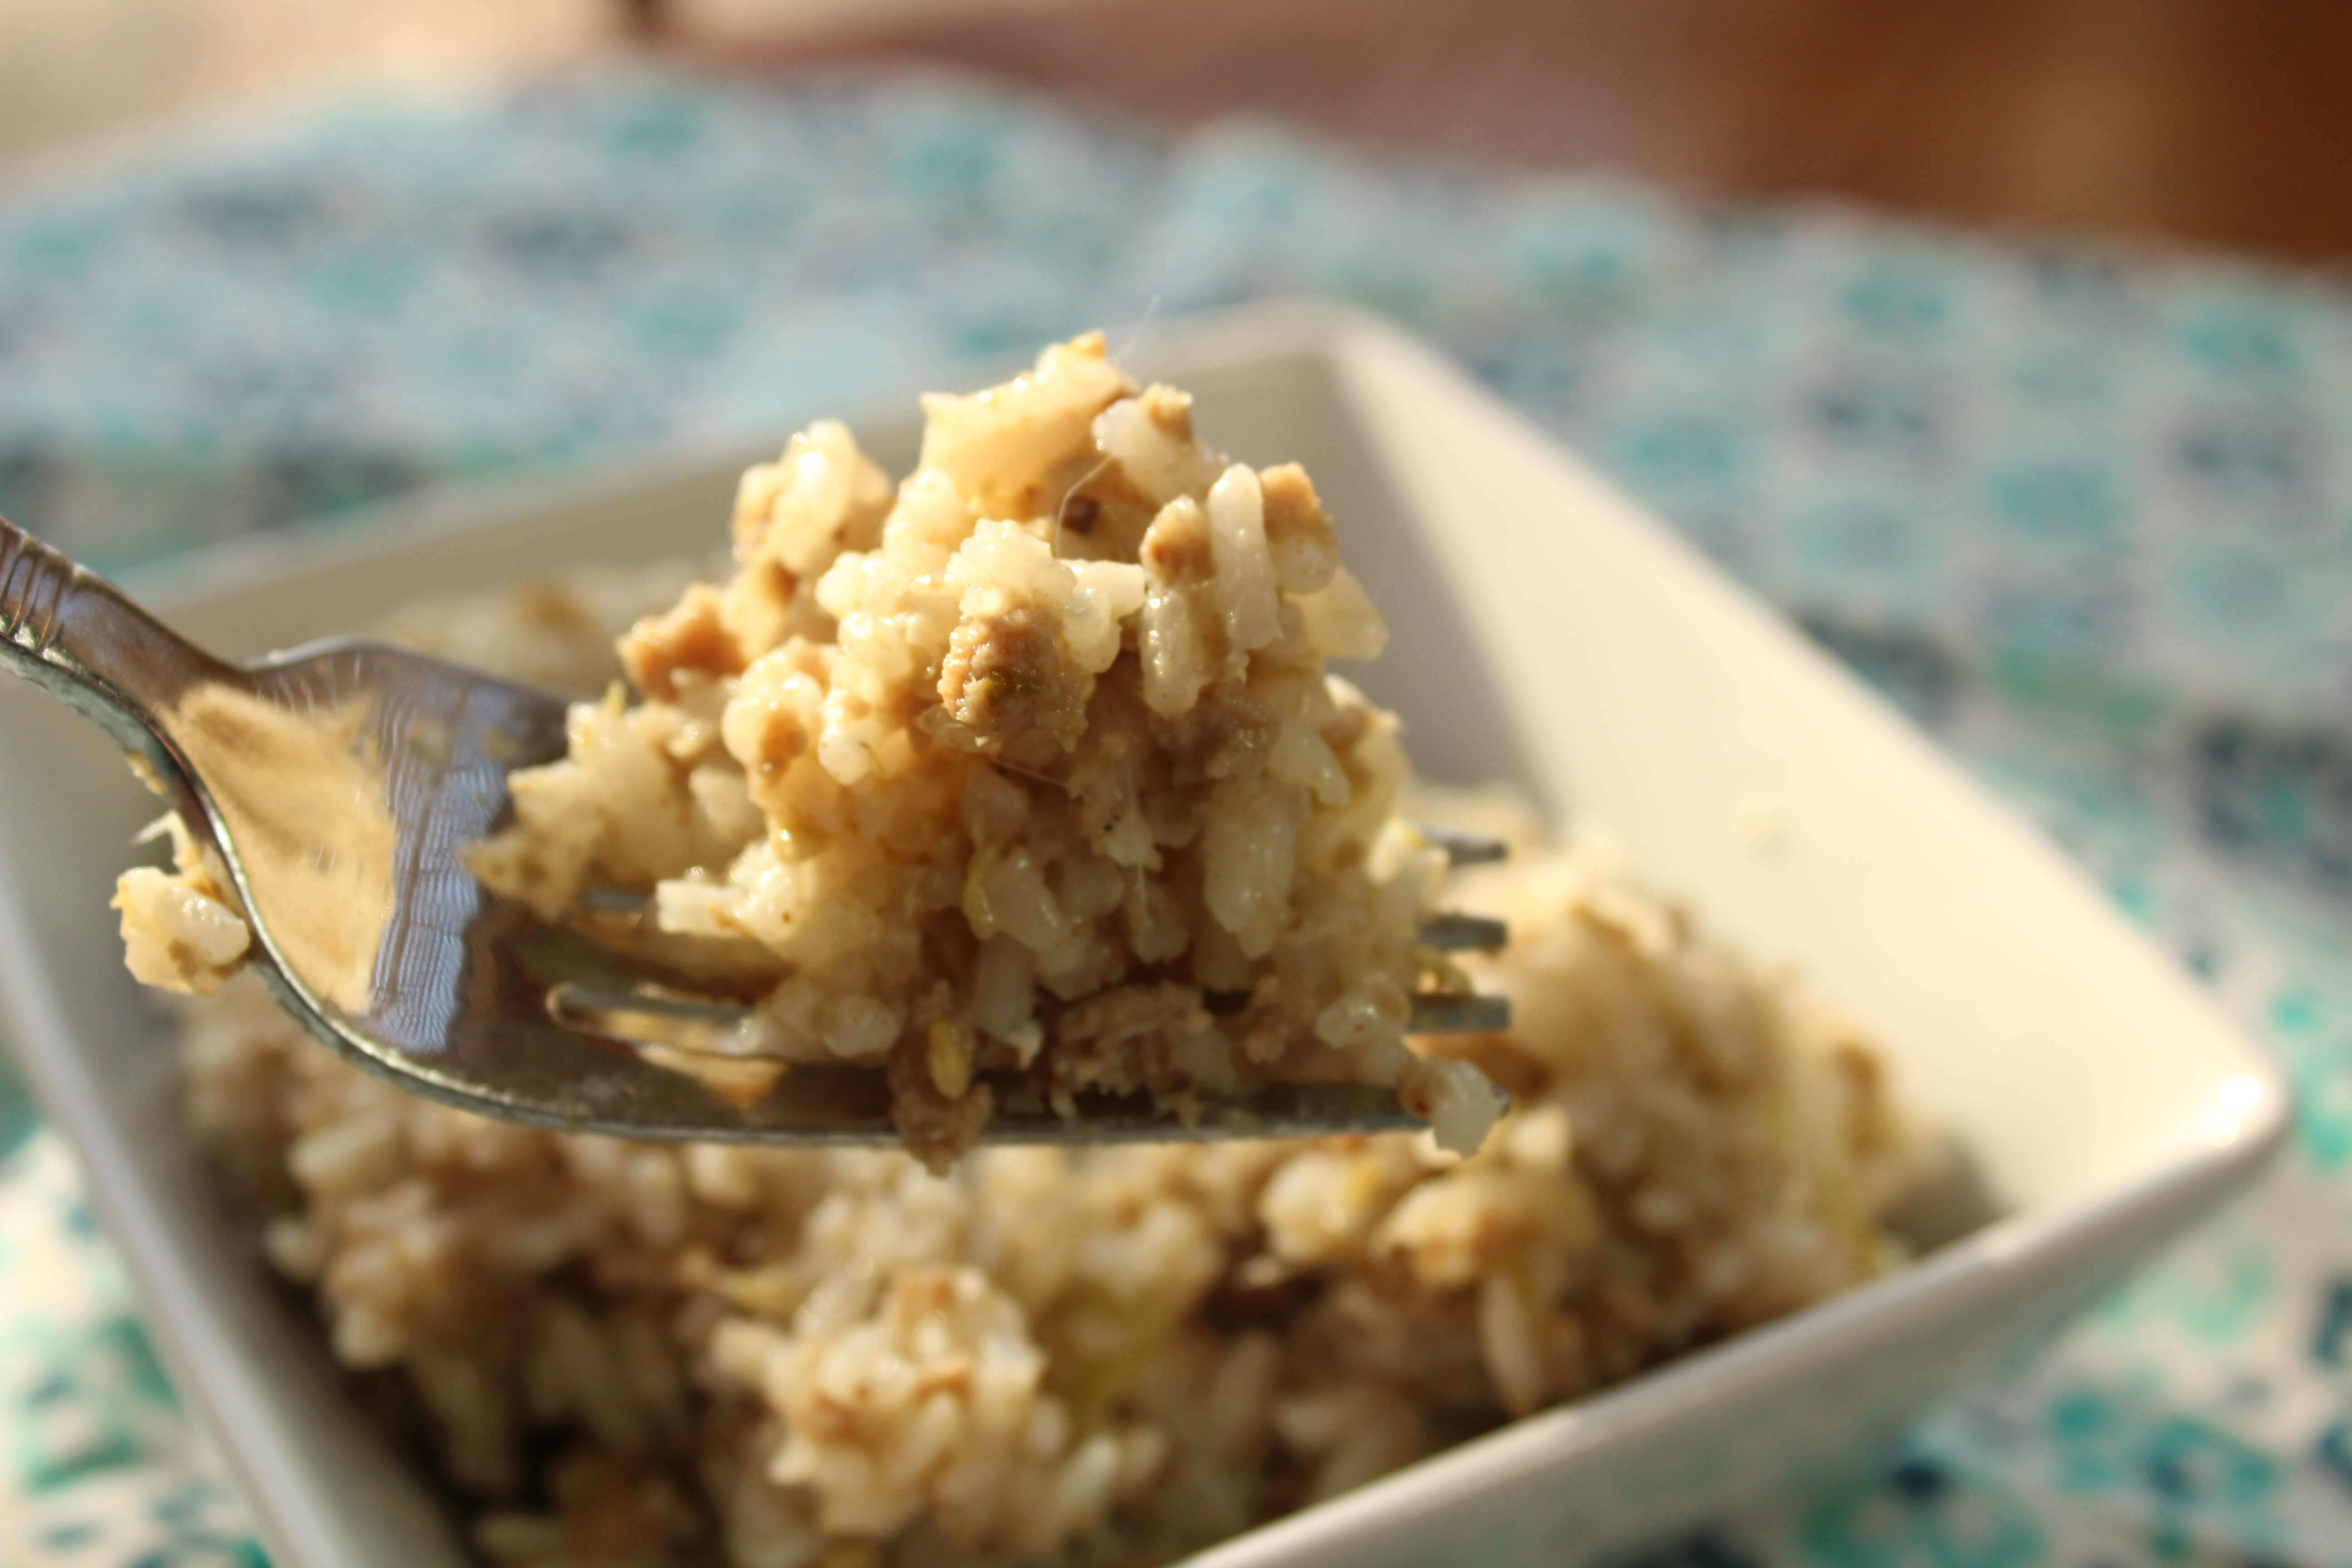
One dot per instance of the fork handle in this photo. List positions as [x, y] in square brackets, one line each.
[78, 637]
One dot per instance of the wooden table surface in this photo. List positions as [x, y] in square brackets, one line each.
[2225, 122]
[2222, 122]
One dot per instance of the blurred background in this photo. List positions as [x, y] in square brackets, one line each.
[2207, 120]
[2003, 344]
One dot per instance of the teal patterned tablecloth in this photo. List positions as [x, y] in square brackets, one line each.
[2086, 514]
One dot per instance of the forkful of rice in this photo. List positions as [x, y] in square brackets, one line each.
[1011, 803]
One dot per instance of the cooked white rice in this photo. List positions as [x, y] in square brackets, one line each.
[1023, 776]
[651, 1356]
[647, 1356]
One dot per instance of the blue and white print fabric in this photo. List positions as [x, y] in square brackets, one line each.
[2086, 515]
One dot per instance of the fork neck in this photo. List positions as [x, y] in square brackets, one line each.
[80, 637]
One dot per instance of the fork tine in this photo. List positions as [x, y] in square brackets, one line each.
[1446, 932]
[1465, 933]
[1465, 848]
[1458, 1013]
[1272, 1111]
[574, 1001]
[1461, 848]
[1432, 1013]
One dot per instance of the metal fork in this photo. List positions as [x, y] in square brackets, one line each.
[339, 784]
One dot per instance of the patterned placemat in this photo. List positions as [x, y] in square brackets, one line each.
[2088, 515]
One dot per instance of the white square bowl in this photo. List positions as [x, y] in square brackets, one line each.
[1545, 631]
